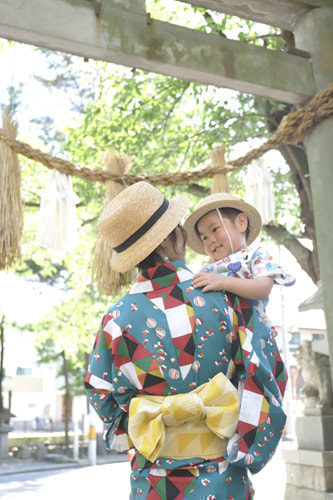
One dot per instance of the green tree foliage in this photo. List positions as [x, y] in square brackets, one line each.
[70, 328]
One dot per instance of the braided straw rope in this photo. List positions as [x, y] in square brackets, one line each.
[295, 126]
[292, 130]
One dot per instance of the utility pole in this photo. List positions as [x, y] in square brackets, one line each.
[2, 347]
[67, 398]
[5, 413]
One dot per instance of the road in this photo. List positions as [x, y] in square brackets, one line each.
[111, 482]
[83, 483]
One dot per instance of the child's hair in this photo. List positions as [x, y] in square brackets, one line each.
[231, 214]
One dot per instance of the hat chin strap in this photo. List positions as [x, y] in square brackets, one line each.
[226, 230]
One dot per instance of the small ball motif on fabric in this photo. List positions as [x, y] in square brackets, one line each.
[199, 301]
[160, 332]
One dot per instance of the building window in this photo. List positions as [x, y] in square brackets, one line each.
[295, 338]
[24, 371]
[317, 336]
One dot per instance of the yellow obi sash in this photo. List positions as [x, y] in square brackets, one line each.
[193, 424]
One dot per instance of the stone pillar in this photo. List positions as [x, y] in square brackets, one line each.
[314, 33]
[5, 428]
[310, 467]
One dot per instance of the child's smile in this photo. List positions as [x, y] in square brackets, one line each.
[218, 244]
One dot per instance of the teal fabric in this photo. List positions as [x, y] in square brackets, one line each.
[164, 338]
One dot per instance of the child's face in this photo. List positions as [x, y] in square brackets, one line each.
[214, 237]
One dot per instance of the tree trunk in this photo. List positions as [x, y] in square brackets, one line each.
[296, 159]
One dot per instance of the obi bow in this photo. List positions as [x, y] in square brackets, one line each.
[193, 424]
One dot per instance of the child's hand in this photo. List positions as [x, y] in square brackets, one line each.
[208, 281]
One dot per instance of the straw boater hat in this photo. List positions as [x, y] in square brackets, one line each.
[212, 202]
[136, 221]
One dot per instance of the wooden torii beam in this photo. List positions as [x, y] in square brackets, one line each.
[282, 13]
[123, 33]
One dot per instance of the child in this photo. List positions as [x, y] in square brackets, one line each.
[222, 226]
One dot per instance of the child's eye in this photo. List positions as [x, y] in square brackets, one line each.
[203, 238]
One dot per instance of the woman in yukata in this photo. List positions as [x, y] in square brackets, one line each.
[194, 388]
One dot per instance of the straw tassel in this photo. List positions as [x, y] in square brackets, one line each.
[11, 218]
[109, 281]
[220, 182]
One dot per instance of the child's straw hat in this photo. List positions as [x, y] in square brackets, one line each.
[212, 202]
[136, 221]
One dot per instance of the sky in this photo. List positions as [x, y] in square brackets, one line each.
[18, 65]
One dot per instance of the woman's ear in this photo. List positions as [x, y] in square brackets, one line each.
[163, 244]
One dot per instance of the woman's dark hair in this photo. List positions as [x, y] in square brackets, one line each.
[155, 258]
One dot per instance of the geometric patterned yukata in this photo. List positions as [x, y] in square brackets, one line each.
[251, 263]
[165, 338]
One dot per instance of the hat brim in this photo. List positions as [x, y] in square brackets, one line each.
[189, 226]
[137, 252]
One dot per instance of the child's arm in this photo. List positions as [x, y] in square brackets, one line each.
[252, 288]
